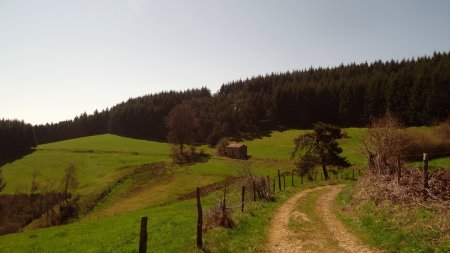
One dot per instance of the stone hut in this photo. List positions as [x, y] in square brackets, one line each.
[236, 151]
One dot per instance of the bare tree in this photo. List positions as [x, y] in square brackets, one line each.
[34, 184]
[69, 206]
[383, 142]
[182, 126]
[69, 182]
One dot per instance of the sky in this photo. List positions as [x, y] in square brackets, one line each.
[59, 59]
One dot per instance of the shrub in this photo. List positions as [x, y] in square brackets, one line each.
[189, 156]
[221, 147]
[384, 141]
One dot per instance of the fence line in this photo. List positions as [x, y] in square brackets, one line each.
[228, 199]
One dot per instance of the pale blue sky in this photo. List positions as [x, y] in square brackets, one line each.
[61, 58]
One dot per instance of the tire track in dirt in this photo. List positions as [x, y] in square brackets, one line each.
[284, 239]
[347, 241]
[280, 237]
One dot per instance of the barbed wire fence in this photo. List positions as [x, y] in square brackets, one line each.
[250, 189]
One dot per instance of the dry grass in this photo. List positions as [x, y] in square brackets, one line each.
[409, 191]
[435, 141]
[403, 205]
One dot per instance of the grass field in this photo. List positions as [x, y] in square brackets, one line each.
[279, 145]
[443, 162]
[114, 223]
[110, 143]
[96, 169]
[101, 160]
[171, 229]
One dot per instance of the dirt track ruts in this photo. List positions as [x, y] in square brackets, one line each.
[283, 239]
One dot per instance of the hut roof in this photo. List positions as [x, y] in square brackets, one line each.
[235, 145]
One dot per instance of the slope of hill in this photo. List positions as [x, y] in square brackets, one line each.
[113, 158]
[153, 191]
[104, 159]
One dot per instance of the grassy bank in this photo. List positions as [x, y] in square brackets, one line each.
[395, 228]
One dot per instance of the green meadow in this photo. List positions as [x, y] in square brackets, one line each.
[110, 143]
[109, 162]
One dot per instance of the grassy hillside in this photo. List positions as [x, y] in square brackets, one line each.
[279, 145]
[110, 143]
[113, 225]
[172, 228]
[100, 161]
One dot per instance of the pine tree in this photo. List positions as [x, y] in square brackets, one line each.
[319, 148]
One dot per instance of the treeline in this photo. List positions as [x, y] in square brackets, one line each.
[141, 117]
[144, 117]
[415, 90]
[83, 125]
[16, 139]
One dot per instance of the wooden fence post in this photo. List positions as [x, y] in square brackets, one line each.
[425, 175]
[199, 221]
[321, 176]
[353, 174]
[279, 180]
[292, 178]
[243, 198]
[268, 183]
[399, 170]
[284, 182]
[143, 235]
[274, 186]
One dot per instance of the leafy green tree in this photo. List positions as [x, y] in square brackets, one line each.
[319, 148]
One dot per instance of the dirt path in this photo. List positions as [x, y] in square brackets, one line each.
[314, 230]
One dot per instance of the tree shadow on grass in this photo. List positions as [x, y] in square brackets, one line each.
[248, 136]
[191, 158]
